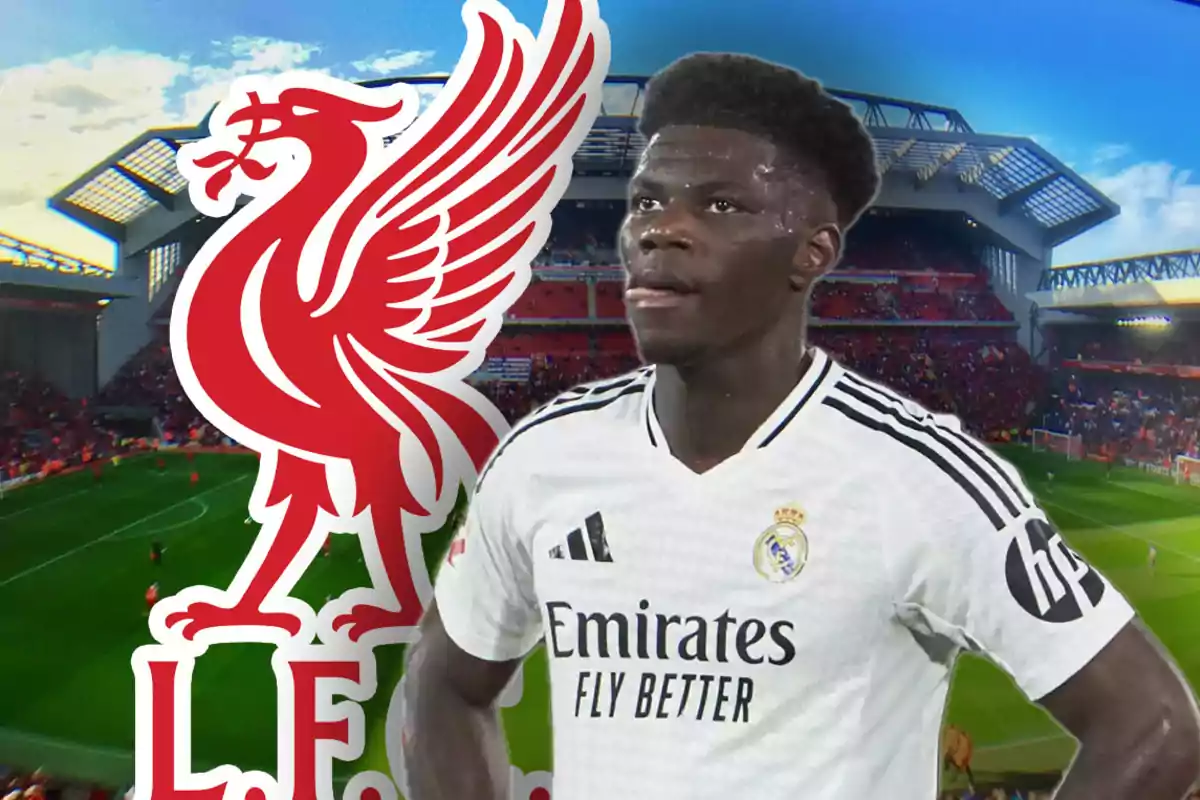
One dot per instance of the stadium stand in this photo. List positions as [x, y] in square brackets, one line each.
[930, 297]
[1123, 346]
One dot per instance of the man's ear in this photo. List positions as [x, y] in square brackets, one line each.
[816, 256]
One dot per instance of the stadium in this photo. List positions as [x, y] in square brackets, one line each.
[1083, 376]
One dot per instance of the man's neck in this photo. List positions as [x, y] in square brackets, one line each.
[708, 411]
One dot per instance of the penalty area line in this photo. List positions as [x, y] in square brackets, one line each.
[111, 534]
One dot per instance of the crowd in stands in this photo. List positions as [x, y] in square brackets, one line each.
[1145, 419]
[1177, 344]
[42, 431]
[149, 381]
[992, 385]
[888, 301]
[38, 786]
[1144, 413]
[885, 240]
[989, 382]
[873, 301]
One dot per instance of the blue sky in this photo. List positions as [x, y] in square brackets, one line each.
[1106, 91]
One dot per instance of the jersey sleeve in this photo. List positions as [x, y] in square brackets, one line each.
[484, 588]
[1018, 595]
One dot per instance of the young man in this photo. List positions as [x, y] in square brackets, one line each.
[752, 569]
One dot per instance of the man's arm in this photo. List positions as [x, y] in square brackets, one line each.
[1071, 641]
[1136, 723]
[454, 746]
[483, 622]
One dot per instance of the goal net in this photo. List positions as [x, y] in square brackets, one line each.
[1187, 470]
[1045, 441]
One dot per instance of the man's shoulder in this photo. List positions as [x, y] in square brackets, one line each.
[587, 411]
[594, 404]
[878, 400]
[924, 456]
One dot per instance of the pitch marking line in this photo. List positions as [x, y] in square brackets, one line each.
[1181, 553]
[1162, 498]
[111, 534]
[63, 744]
[42, 740]
[128, 537]
[1019, 743]
[53, 502]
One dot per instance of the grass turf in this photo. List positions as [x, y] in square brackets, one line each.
[74, 564]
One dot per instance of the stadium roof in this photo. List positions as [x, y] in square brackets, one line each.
[915, 138]
[33, 272]
[20, 253]
[1148, 268]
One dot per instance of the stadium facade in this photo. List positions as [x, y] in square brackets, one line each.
[1013, 198]
[50, 305]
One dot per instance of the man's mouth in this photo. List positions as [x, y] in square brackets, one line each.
[643, 297]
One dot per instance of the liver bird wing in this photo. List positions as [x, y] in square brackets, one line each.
[440, 243]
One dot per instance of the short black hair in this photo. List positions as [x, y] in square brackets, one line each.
[793, 112]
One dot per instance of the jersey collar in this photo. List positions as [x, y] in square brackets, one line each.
[816, 378]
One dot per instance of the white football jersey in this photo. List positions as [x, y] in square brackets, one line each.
[781, 626]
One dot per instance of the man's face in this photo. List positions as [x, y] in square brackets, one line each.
[716, 224]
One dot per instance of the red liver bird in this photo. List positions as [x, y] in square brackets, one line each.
[330, 323]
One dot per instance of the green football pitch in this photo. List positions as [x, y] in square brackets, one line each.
[74, 566]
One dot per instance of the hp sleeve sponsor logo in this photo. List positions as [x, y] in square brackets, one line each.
[1047, 579]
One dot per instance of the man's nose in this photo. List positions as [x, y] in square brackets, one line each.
[670, 230]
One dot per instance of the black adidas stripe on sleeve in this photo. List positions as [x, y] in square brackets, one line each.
[921, 441]
[966, 455]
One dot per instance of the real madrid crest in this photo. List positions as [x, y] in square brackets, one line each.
[782, 549]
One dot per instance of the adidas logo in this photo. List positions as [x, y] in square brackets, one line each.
[595, 548]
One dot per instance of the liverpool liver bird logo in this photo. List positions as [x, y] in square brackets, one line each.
[331, 322]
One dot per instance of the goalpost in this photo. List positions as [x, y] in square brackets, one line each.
[1053, 442]
[1187, 470]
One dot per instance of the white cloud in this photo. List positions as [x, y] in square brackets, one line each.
[65, 115]
[243, 55]
[1107, 153]
[1160, 211]
[393, 61]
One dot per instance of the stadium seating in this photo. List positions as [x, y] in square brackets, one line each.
[1178, 344]
[552, 300]
[43, 431]
[1146, 419]
[1127, 391]
[149, 380]
[902, 273]
[875, 301]
[993, 386]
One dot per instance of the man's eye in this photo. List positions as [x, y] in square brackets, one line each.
[644, 204]
[724, 206]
